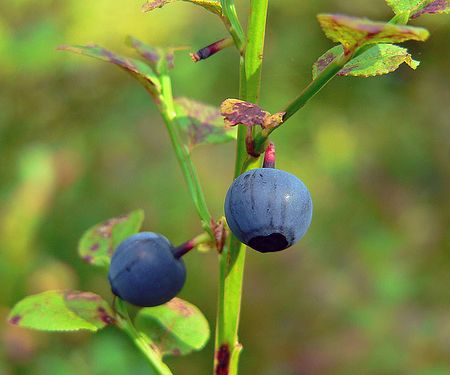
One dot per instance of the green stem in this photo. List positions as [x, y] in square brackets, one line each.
[142, 342]
[316, 85]
[232, 23]
[232, 259]
[167, 109]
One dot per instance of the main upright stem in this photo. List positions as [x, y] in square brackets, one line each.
[233, 256]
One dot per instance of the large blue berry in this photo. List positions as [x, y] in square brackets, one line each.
[268, 209]
[144, 270]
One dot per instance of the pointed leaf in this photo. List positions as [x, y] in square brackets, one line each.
[176, 328]
[58, 310]
[210, 5]
[99, 242]
[135, 67]
[202, 123]
[433, 7]
[353, 32]
[377, 60]
[154, 56]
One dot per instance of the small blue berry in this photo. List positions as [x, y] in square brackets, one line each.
[144, 270]
[268, 209]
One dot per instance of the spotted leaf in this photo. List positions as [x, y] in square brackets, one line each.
[202, 123]
[175, 328]
[99, 242]
[237, 112]
[377, 60]
[353, 32]
[135, 67]
[58, 310]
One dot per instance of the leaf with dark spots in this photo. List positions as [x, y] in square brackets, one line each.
[210, 5]
[201, 123]
[377, 60]
[354, 32]
[176, 328]
[98, 243]
[154, 56]
[434, 7]
[415, 8]
[237, 112]
[135, 67]
[58, 310]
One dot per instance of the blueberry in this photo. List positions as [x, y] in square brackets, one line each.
[268, 209]
[144, 270]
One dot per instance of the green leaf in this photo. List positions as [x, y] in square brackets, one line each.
[176, 328]
[416, 8]
[353, 32]
[58, 310]
[99, 242]
[377, 60]
[202, 123]
[210, 5]
[433, 7]
[137, 68]
[154, 56]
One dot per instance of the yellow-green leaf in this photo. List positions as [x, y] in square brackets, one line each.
[377, 60]
[354, 32]
[58, 310]
[176, 328]
[99, 242]
[210, 5]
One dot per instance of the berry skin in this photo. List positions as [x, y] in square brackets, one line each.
[268, 209]
[144, 271]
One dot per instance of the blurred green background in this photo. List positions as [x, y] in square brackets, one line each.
[367, 291]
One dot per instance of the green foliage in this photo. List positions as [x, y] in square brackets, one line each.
[377, 60]
[416, 8]
[99, 242]
[176, 328]
[62, 311]
[354, 32]
[201, 123]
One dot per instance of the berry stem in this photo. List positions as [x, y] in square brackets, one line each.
[143, 342]
[187, 246]
[269, 156]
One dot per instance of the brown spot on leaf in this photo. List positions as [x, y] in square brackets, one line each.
[95, 246]
[15, 320]
[105, 229]
[179, 306]
[176, 352]
[153, 4]
[105, 317]
[223, 360]
[239, 112]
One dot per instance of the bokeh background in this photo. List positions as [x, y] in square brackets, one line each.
[367, 291]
